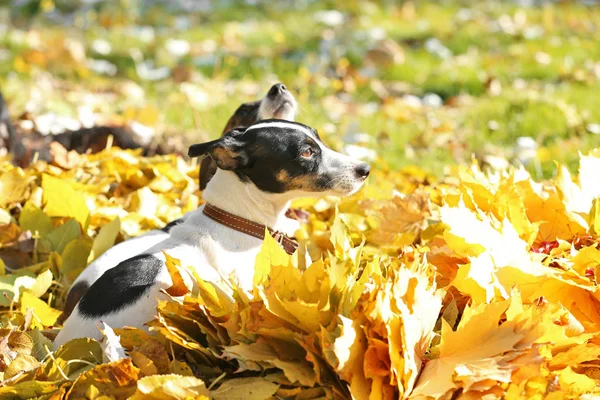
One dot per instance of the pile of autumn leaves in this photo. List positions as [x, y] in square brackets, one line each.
[476, 285]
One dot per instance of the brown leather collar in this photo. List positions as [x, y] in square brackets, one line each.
[248, 227]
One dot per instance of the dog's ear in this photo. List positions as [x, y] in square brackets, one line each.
[228, 152]
[200, 149]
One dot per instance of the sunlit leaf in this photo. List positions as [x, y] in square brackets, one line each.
[13, 186]
[245, 388]
[170, 387]
[178, 288]
[105, 238]
[60, 237]
[44, 315]
[74, 258]
[117, 379]
[35, 220]
[61, 200]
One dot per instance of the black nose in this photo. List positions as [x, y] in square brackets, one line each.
[362, 170]
[278, 88]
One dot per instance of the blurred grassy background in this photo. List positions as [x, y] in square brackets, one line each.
[432, 83]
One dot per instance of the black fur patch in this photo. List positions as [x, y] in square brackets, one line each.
[120, 286]
[167, 228]
[275, 150]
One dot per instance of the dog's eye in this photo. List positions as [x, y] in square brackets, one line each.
[307, 153]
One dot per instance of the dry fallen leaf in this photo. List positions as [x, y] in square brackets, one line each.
[486, 287]
[172, 387]
[178, 288]
[61, 200]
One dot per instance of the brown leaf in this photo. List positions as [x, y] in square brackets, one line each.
[9, 233]
[13, 186]
[63, 158]
[131, 337]
[145, 364]
[116, 379]
[156, 352]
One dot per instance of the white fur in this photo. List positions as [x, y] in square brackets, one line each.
[199, 244]
[274, 108]
[280, 124]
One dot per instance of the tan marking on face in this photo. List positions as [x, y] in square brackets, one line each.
[282, 176]
[225, 158]
[304, 182]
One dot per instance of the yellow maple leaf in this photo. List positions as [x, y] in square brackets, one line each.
[544, 206]
[574, 384]
[292, 363]
[587, 257]
[400, 220]
[481, 352]
[271, 254]
[490, 245]
[575, 355]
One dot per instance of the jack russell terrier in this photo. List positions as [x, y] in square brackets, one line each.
[277, 103]
[260, 170]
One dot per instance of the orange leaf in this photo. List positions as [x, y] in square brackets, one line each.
[178, 288]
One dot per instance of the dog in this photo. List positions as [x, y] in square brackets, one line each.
[260, 170]
[24, 147]
[277, 103]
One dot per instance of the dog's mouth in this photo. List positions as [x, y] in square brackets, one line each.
[284, 107]
[281, 106]
[350, 189]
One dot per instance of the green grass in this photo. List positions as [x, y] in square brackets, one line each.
[549, 82]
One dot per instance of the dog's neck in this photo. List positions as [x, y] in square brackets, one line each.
[243, 199]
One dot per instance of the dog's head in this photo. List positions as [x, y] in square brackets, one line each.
[278, 103]
[280, 156]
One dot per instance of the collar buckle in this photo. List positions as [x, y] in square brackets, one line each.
[279, 237]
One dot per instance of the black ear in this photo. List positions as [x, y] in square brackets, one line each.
[200, 149]
[228, 152]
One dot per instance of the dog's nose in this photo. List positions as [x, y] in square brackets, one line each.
[278, 88]
[362, 170]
